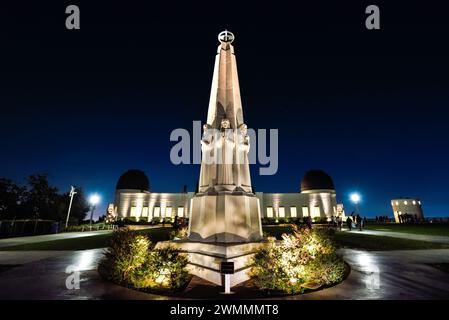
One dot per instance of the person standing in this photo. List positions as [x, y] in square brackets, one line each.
[359, 222]
[349, 223]
[339, 222]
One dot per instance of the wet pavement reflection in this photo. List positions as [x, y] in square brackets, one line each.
[404, 274]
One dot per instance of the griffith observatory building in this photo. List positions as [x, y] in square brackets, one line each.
[316, 198]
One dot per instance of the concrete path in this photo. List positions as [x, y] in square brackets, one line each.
[10, 242]
[420, 237]
[374, 275]
[23, 257]
[46, 279]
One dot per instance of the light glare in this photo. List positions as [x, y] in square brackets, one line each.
[355, 197]
[94, 199]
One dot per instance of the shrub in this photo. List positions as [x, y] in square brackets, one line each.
[131, 261]
[127, 252]
[167, 220]
[180, 233]
[130, 220]
[304, 259]
[320, 219]
[156, 220]
[164, 268]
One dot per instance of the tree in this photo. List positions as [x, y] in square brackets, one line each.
[41, 199]
[11, 198]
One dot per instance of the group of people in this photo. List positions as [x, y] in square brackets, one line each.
[355, 222]
[352, 222]
[408, 218]
[336, 222]
[382, 219]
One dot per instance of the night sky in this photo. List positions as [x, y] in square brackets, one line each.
[371, 108]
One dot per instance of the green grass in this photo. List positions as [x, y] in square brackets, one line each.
[370, 242]
[425, 229]
[343, 239]
[91, 242]
[363, 241]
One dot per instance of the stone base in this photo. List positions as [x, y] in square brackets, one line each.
[225, 217]
[205, 258]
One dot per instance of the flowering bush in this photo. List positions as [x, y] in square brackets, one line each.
[305, 259]
[179, 234]
[131, 260]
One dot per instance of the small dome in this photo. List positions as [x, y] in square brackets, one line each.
[315, 180]
[133, 179]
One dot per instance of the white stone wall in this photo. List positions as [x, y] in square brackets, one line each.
[146, 205]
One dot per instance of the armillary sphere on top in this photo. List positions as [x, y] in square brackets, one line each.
[226, 36]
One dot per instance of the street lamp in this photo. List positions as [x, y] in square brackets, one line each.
[94, 200]
[72, 193]
[355, 198]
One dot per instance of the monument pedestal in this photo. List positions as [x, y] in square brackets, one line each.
[224, 227]
[205, 258]
[225, 217]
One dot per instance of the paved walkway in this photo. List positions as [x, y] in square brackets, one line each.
[420, 237]
[374, 275]
[9, 242]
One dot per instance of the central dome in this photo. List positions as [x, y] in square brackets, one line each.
[133, 179]
[316, 180]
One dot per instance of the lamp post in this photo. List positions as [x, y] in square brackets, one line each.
[94, 200]
[355, 198]
[72, 193]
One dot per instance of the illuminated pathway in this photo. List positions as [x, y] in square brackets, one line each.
[410, 236]
[374, 275]
[10, 242]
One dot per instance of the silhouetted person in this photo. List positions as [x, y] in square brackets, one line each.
[339, 222]
[175, 223]
[349, 223]
[359, 221]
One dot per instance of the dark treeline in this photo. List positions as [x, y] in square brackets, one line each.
[37, 199]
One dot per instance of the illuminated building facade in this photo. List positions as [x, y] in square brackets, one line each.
[317, 199]
[407, 209]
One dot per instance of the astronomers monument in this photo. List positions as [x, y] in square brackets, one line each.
[225, 209]
[225, 216]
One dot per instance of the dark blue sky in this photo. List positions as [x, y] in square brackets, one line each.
[368, 107]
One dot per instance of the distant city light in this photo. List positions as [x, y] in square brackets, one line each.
[355, 197]
[94, 199]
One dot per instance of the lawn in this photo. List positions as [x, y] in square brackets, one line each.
[370, 242]
[363, 241]
[92, 242]
[343, 239]
[425, 229]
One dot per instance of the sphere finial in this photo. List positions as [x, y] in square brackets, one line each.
[226, 37]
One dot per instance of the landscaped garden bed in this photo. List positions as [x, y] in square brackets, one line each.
[303, 261]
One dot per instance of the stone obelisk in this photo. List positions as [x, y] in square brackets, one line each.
[225, 223]
[225, 208]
